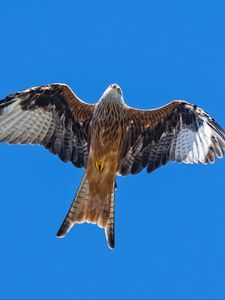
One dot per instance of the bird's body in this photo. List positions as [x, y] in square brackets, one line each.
[107, 139]
[109, 120]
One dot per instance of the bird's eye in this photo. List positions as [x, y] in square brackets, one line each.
[118, 90]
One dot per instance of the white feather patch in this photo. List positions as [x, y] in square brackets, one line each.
[193, 146]
[18, 126]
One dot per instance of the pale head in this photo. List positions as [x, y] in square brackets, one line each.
[113, 93]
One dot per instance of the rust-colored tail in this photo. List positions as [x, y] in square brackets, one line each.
[92, 210]
[109, 228]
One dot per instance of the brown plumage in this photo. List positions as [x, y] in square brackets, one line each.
[107, 139]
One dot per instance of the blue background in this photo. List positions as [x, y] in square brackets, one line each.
[170, 225]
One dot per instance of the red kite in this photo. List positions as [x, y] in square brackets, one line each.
[107, 139]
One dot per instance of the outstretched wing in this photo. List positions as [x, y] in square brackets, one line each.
[52, 116]
[178, 132]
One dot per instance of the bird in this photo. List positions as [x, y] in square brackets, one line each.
[107, 139]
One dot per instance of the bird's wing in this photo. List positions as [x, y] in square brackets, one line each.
[52, 116]
[178, 132]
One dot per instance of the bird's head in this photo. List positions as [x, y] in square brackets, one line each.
[113, 92]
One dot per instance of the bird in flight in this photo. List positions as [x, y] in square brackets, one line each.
[107, 139]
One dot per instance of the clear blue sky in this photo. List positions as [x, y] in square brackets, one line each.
[170, 225]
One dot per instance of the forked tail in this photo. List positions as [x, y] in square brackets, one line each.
[86, 209]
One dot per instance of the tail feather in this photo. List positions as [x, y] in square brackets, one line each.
[76, 213]
[92, 210]
[109, 229]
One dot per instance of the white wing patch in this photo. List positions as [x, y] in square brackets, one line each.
[199, 146]
[18, 126]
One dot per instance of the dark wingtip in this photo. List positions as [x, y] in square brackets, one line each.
[6, 102]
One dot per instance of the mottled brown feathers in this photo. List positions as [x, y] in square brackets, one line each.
[52, 116]
[178, 132]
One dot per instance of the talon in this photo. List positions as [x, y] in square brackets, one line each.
[100, 166]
